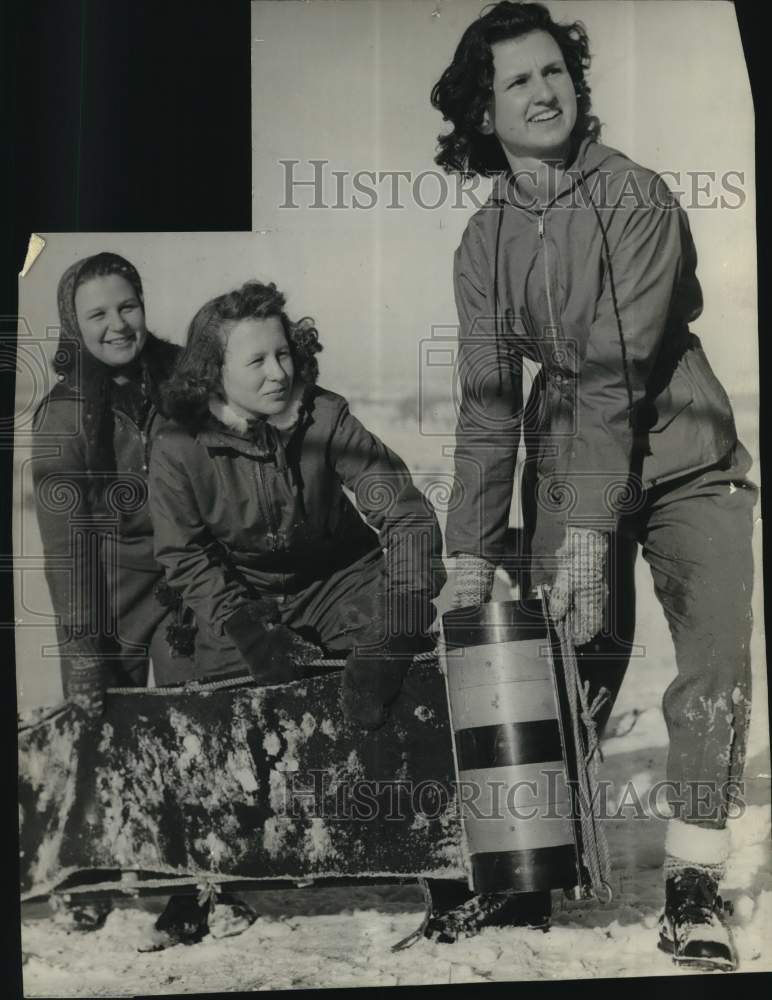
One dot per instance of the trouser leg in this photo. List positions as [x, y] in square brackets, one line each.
[134, 618]
[698, 545]
[339, 612]
[141, 624]
[333, 613]
[138, 616]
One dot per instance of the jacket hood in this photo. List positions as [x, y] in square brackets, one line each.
[591, 157]
[286, 420]
[233, 430]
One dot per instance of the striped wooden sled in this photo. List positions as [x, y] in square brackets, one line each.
[238, 785]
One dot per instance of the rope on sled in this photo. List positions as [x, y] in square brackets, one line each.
[595, 855]
[196, 686]
[230, 682]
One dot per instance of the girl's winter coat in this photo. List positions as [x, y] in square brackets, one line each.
[599, 288]
[242, 513]
[95, 525]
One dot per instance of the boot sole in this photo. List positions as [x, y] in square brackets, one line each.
[170, 942]
[689, 962]
[442, 937]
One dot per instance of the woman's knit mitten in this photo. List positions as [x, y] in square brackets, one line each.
[285, 656]
[474, 581]
[578, 593]
[373, 674]
[272, 652]
[369, 686]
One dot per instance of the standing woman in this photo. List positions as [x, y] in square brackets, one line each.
[89, 472]
[582, 261]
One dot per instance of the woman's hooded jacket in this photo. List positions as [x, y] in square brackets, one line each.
[242, 510]
[598, 288]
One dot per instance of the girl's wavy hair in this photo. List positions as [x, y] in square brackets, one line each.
[198, 374]
[463, 92]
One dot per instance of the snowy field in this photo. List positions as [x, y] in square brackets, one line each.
[342, 937]
[310, 937]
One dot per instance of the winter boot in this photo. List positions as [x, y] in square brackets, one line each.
[229, 916]
[453, 911]
[81, 916]
[693, 927]
[184, 921]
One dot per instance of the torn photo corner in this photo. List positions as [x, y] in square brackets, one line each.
[185, 768]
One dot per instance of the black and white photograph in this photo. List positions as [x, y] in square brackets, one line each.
[388, 582]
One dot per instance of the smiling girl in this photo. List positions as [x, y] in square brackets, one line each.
[89, 472]
[582, 263]
[89, 475]
[254, 528]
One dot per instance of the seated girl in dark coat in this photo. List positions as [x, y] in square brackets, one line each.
[254, 528]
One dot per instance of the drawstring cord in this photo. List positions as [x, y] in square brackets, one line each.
[613, 289]
[496, 300]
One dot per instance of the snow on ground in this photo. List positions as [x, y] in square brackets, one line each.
[326, 937]
[330, 937]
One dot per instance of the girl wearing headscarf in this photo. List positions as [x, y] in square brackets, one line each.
[89, 473]
[90, 460]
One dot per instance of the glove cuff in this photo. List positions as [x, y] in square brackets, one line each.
[585, 550]
[85, 686]
[579, 537]
[474, 580]
[84, 675]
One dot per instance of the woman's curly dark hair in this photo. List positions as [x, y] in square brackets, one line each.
[464, 90]
[197, 375]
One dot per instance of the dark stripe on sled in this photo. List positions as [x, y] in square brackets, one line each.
[508, 744]
[533, 870]
[496, 621]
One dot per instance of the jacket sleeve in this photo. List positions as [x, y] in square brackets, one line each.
[392, 505]
[71, 539]
[489, 412]
[650, 288]
[194, 562]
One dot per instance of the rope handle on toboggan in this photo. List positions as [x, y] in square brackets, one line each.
[194, 685]
[584, 732]
[330, 664]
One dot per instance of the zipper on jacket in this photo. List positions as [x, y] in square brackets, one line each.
[144, 434]
[550, 309]
[265, 507]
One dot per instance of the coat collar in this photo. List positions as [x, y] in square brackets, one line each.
[590, 156]
[226, 429]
